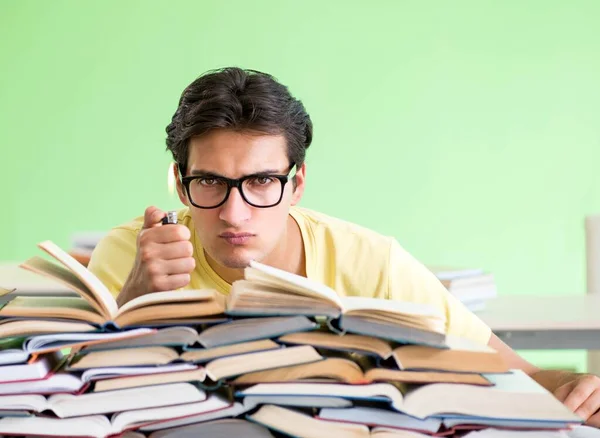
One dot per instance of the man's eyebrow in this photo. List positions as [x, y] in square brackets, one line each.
[208, 173]
[202, 172]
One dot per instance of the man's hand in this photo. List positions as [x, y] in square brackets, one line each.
[581, 394]
[164, 258]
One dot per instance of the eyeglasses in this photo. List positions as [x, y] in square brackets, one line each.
[262, 190]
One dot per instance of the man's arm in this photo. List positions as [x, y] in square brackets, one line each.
[579, 392]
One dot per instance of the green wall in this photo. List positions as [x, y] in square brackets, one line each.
[468, 129]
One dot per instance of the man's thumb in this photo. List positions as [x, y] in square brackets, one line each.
[153, 217]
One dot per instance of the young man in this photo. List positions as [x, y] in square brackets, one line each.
[239, 140]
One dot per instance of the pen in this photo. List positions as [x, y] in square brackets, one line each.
[170, 218]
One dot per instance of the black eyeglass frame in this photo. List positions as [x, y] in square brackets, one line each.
[237, 183]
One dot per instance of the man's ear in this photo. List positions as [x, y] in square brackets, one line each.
[179, 185]
[300, 183]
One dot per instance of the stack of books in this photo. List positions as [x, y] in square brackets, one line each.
[280, 356]
[473, 287]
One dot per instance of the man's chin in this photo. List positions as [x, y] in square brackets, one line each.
[236, 261]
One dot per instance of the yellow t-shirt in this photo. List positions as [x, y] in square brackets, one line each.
[352, 260]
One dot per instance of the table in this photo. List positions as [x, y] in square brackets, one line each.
[545, 322]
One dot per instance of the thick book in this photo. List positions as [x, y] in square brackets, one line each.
[514, 396]
[96, 305]
[100, 426]
[375, 417]
[460, 356]
[216, 369]
[49, 343]
[250, 403]
[348, 371]
[161, 354]
[227, 333]
[294, 423]
[66, 405]
[52, 383]
[266, 290]
[38, 367]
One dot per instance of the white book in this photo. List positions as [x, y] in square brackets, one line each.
[68, 405]
[100, 426]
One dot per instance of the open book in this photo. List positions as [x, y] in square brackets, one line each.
[294, 423]
[515, 396]
[67, 405]
[95, 303]
[461, 355]
[158, 408]
[348, 371]
[228, 333]
[216, 369]
[266, 290]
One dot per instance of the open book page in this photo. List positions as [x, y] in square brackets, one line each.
[341, 370]
[174, 296]
[415, 314]
[245, 363]
[149, 379]
[247, 298]
[365, 303]
[380, 417]
[126, 419]
[99, 290]
[294, 423]
[420, 357]
[26, 327]
[376, 391]
[486, 402]
[51, 307]
[95, 426]
[56, 272]
[107, 374]
[348, 342]
[294, 283]
[67, 405]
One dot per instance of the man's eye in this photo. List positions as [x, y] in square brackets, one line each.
[207, 181]
[263, 180]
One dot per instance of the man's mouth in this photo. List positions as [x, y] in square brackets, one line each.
[236, 238]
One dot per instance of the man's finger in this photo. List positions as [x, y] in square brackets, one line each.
[153, 217]
[170, 282]
[594, 420]
[563, 391]
[580, 393]
[179, 266]
[590, 406]
[173, 250]
[171, 233]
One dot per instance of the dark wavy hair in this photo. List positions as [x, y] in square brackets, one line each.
[238, 99]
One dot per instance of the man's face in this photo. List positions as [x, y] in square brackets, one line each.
[236, 232]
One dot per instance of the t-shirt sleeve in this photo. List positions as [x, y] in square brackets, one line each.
[113, 258]
[409, 280]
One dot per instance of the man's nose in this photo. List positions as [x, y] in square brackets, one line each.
[235, 210]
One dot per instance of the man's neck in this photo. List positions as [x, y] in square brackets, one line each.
[288, 255]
